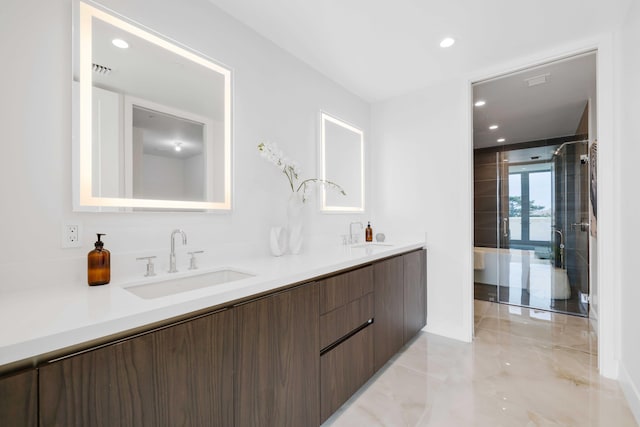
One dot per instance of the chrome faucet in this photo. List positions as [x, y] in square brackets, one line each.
[353, 238]
[172, 255]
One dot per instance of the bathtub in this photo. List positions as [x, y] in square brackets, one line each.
[486, 266]
[520, 269]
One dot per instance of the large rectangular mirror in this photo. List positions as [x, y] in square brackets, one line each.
[153, 119]
[342, 162]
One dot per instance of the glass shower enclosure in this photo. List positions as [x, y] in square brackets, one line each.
[531, 226]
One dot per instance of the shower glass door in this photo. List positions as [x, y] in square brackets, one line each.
[542, 242]
[526, 247]
[571, 226]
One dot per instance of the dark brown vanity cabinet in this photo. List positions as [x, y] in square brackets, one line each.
[277, 363]
[290, 358]
[389, 309]
[178, 375]
[400, 302]
[19, 399]
[415, 293]
[346, 337]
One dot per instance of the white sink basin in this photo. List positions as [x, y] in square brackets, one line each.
[370, 245]
[167, 287]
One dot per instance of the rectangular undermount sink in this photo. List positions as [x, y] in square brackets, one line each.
[183, 284]
[371, 244]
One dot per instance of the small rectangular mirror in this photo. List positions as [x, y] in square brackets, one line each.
[342, 162]
[153, 120]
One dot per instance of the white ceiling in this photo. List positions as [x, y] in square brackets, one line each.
[543, 111]
[379, 48]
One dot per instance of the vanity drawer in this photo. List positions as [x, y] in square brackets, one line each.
[344, 288]
[344, 369]
[339, 322]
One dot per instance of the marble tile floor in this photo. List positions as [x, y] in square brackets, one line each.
[525, 368]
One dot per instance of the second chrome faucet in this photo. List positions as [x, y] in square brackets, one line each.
[172, 255]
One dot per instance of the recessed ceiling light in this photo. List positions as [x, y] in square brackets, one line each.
[501, 140]
[480, 103]
[178, 146]
[120, 43]
[447, 42]
[493, 127]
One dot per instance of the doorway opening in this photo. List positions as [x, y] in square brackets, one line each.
[533, 215]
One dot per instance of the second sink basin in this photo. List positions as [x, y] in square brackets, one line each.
[183, 284]
[371, 244]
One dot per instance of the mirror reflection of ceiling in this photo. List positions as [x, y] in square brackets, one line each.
[540, 111]
[177, 82]
[163, 133]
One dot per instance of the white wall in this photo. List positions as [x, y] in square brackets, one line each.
[276, 97]
[422, 178]
[162, 178]
[630, 206]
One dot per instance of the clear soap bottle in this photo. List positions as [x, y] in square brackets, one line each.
[99, 264]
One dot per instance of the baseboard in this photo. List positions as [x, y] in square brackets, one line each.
[447, 331]
[631, 392]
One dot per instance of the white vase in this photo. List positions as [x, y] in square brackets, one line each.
[295, 213]
[278, 241]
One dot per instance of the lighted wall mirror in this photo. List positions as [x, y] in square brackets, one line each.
[152, 119]
[341, 161]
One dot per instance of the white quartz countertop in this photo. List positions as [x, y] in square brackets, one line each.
[43, 319]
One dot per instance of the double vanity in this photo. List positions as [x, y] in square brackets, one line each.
[244, 341]
[274, 342]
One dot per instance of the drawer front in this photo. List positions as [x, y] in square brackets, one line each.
[344, 369]
[344, 288]
[339, 322]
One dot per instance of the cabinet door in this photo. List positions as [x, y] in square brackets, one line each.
[18, 399]
[277, 375]
[179, 375]
[415, 293]
[389, 309]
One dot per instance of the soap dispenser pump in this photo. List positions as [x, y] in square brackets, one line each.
[99, 264]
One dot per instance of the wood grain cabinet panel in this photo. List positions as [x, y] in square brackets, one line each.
[344, 369]
[415, 293]
[278, 361]
[181, 375]
[19, 399]
[389, 309]
[341, 321]
[343, 288]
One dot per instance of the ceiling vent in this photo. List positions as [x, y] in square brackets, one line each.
[101, 69]
[537, 80]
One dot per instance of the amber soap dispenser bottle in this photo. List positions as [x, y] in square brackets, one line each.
[368, 233]
[99, 264]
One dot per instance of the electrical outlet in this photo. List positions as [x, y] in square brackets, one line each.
[71, 236]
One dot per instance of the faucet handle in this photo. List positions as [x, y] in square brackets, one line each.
[150, 268]
[193, 264]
